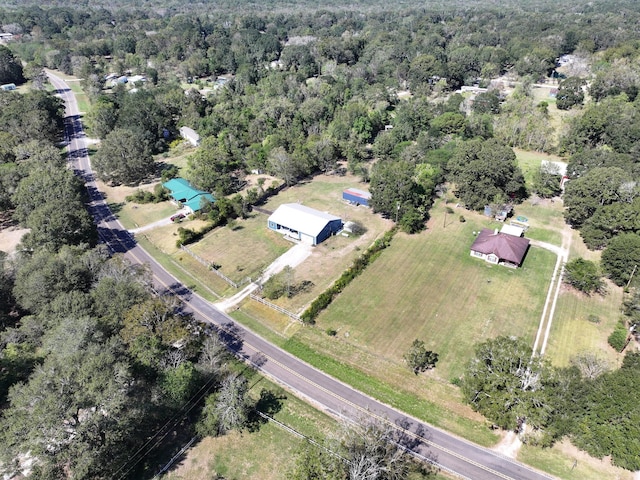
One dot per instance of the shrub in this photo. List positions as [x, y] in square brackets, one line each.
[332, 332]
[618, 338]
[358, 266]
[583, 275]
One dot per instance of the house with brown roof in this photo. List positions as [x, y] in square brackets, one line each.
[500, 248]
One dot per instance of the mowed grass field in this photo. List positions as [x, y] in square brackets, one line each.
[266, 454]
[243, 251]
[427, 286]
[248, 247]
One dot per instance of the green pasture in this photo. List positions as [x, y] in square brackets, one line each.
[244, 250]
[582, 324]
[427, 286]
[567, 462]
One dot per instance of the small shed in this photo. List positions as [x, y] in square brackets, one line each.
[190, 135]
[185, 194]
[356, 196]
[514, 230]
[304, 224]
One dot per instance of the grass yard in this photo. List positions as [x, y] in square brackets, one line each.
[582, 323]
[270, 324]
[567, 462]
[428, 286]
[164, 237]
[243, 251]
[545, 219]
[177, 156]
[266, 454]
[529, 162]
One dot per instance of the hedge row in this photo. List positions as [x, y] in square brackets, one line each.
[358, 266]
[187, 236]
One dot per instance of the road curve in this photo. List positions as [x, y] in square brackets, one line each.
[451, 453]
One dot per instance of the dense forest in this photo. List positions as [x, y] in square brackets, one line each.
[93, 361]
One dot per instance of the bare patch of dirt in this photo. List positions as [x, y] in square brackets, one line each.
[10, 237]
[570, 450]
[509, 445]
[119, 193]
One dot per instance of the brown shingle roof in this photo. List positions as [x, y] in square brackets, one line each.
[505, 247]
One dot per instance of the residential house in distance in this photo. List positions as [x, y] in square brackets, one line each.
[500, 248]
[304, 224]
[190, 135]
[186, 195]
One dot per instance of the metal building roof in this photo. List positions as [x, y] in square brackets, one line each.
[358, 193]
[303, 219]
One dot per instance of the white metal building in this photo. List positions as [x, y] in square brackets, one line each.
[303, 223]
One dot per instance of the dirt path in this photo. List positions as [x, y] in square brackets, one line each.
[546, 320]
[292, 258]
[159, 223]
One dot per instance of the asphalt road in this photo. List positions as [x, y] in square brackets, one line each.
[451, 453]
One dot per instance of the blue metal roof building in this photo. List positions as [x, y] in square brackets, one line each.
[184, 193]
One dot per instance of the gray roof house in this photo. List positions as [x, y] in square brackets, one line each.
[190, 135]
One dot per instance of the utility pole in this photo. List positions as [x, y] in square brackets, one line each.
[632, 274]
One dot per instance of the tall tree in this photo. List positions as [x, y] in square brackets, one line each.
[484, 171]
[394, 190]
[621, 258]
[10, 67]
[124, 157]
[598, 187]
[507, 385]
[227, 409]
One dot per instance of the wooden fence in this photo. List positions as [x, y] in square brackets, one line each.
[210, 266]
[275, 307]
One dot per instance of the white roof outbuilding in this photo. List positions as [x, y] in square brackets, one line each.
[304, 223]
[512, 230]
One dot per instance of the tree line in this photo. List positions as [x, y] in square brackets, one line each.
[589, 402]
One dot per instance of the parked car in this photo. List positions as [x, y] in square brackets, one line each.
[177, 217]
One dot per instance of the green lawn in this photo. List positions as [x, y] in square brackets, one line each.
[266, 454]
[545, 219]
[567, 462]
[134, 215]
[582, 324]
[428, 286]
[243, 251]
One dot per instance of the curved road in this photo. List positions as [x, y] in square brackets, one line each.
[451, 453]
